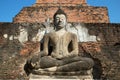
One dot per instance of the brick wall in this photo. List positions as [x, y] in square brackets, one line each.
[77, 11]
[62, 1]
[85, 14]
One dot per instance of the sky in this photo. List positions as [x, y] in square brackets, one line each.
[10, 8]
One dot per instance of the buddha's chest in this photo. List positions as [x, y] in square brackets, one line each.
[60, 40]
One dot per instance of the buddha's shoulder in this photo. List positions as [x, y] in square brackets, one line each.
[72, 34]
[50, 34]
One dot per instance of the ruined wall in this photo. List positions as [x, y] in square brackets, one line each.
[108, 33]
[104, 47]
[61, 1]
[85, 14]
[105, 33]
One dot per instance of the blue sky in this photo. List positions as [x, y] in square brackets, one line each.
[9, 8]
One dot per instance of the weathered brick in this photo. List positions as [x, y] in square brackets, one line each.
[61, 1]
[77, 11]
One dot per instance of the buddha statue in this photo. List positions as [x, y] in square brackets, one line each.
[60, 50]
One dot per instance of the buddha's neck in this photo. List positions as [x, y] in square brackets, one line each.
[60, 32]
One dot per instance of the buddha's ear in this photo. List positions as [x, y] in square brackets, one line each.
[54, 26]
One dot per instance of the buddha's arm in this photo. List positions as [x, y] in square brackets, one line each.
[74, 52]
[45, 45]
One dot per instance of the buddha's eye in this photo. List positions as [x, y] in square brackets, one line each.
[57, 18]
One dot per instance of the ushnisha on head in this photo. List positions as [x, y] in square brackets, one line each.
[60, 19]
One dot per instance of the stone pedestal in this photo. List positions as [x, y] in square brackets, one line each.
[80, 75]
[43, 77]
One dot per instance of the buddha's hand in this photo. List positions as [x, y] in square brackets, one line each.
[33, 62]
[42, 53]
[56, 55]
[59, 57]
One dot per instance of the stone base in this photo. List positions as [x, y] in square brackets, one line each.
[46, 75]
[53, 77]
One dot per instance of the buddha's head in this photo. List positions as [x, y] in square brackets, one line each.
[60, 19]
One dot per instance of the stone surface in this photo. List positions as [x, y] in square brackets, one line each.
[38, 77]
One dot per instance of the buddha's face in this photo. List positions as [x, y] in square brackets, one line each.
[60, 21]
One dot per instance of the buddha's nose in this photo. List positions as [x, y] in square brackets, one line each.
[60, 21]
